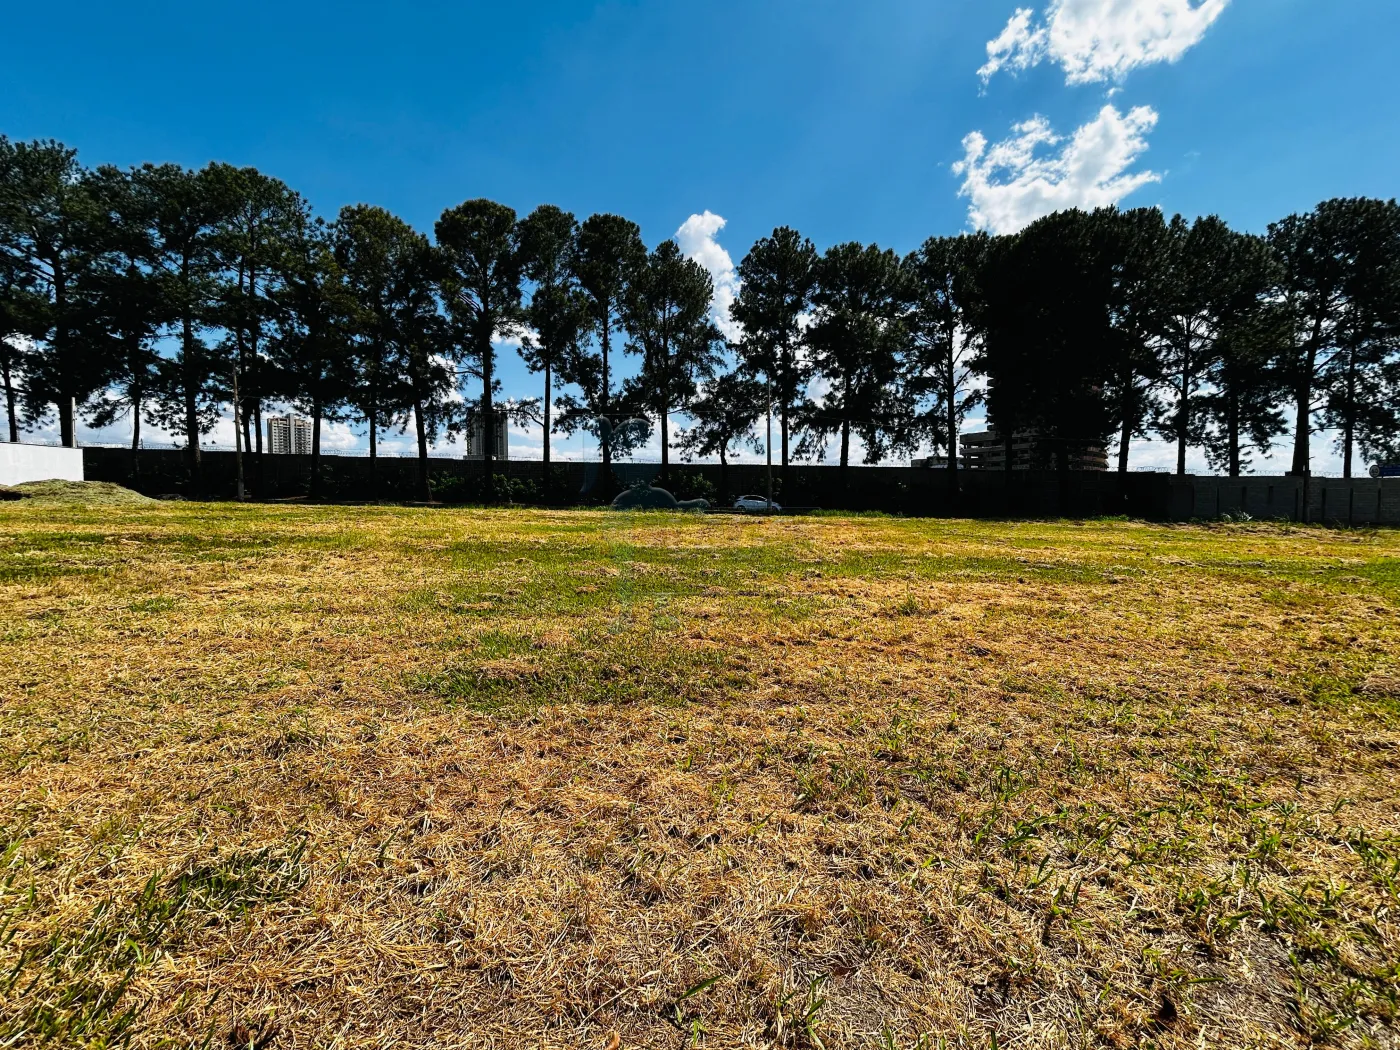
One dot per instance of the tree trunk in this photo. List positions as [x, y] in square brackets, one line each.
[1302, 434]
[784, 408]
[1126, 437]
[723, 478]
[258, 435]
[607, 445]
[373, 420]
[243, 413]
[67, 430]
[191, 383]
[768, 444]
[239, 445]
[1302, 454]
[254, 396]
[315, 491]
[488, 423]
[135, 433]
[65, 422]
[1183, 415]
[1232, 426]
[240, 432]
[665, 442]
[548, 377]
[1349, 429]
[425, 491]
[10, 399]
[845, 447]
[950, 393]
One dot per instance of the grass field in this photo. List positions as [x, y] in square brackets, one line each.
[373, 777]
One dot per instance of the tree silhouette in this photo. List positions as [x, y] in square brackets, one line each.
[609, 250]
[1049, 338]
[1136, 311]
[125, 296]
[423, 350]
[1240, 408]
[372, 248]
[558, 313]
[312, 350]
[944, 275]
[480, 245]
[724, 414]
[46, 217]
[13, 329]
[858, 339]
[665, 312]
[1359, 375]
[1200, 283]
[259, 218]
[1324, 288]
[188, 211]
[777, 277]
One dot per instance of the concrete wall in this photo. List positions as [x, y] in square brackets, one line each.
[20, 463]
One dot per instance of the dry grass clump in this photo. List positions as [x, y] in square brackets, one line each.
[371, 777]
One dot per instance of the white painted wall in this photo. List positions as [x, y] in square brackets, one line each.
[21, 463]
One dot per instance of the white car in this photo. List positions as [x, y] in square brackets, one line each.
[755, 503]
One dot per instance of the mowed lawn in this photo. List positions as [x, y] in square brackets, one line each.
[379, 777]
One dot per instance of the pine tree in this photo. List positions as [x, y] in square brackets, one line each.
[666, 315]
[260, 214]
[609, 250]
[480, 245]
[777, 278]
[558, 314]
[312, 349]
[127, 300]
[724, 413]
[188, 212]
[858, 340]
[46, 236]
[944, 339]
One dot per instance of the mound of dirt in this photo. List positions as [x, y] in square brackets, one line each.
[102, 493]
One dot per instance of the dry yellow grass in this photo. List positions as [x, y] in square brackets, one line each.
[370, 777]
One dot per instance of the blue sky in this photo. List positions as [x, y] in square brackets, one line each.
[845, 120]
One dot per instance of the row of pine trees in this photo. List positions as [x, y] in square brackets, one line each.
[169, 296]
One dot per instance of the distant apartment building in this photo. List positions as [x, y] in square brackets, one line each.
[987, 451]
[289, 435]
[500, 446]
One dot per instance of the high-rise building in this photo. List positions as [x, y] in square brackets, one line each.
[289, 435]
[987, 451]
[500, 448]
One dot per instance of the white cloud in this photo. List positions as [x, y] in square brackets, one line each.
[510, 338]
[696, 238]
[1018, 47]
[1013, 182]
[1099, 40]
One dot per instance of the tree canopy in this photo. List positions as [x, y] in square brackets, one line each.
[176, 297]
